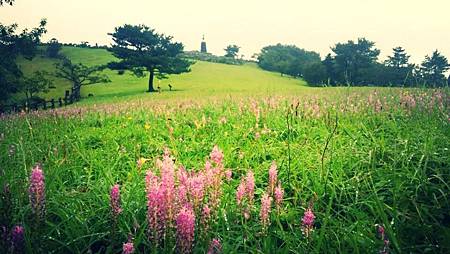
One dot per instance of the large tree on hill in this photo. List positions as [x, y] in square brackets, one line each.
[286, 59]
[433, 69]
[232, 51]
[352, 58]
[79, 75]
[13, 44]
[141, 49]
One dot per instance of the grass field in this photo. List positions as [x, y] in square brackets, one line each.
[362, 170]
[205, 79]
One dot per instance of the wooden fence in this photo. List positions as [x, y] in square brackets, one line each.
[38, 105]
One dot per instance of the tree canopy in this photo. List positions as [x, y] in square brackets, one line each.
[232, 51]
[53, 48]
[13, 44]
[141, 49]
[79, 75]
[286, 59]
[352, 58]
[433, 69]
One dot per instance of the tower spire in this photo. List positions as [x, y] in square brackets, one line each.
[203, 45]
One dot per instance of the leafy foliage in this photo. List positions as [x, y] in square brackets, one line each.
[433, 69]
[53, 48]
[232, 51]
[36, 83]
[208, 57]
[286, 59]
[11, 46]
[80, 75]
[141, 49]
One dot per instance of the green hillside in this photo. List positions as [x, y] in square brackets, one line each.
[205, 79]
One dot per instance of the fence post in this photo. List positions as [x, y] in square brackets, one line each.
[53, 103]
[45, 104]
[60, 102]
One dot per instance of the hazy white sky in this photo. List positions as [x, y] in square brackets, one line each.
[417, 25]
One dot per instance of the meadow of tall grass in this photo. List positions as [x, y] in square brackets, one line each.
[362, 173]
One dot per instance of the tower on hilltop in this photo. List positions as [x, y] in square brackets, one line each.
[203, 45]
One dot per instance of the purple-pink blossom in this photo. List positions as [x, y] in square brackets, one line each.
[17, 239]
[278, 195]
[308, 222]
[273, 177]
[240, 192]
[228, 174]
[250, 185]
[216, 155]
[128, 248]
[215, 247]
[266, 202]
[37, 191]
[185, 223]
[115, 201]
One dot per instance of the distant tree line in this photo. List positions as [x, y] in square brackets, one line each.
[355, 64]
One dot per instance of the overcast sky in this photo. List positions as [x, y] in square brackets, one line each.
[417, 25]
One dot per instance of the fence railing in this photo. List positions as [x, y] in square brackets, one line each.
[38, 105]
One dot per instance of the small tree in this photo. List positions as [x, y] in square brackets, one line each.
[433, 69]
[141, 49]
[53, 48]
[36, 83]
[79, 75]
[232, 51]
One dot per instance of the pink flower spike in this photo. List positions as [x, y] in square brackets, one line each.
[37, 191]
[228, 174]
[273, 175]
[115, 201]
[215, 247]
[240, 192]
[266, 202]
[185, 223]
[250, 185]
[128, 248]
[278, 195]
[216, 155]
[308, 218]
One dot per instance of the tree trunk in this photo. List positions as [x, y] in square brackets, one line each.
[150, 82]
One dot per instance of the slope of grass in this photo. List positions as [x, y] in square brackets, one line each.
[205, 79]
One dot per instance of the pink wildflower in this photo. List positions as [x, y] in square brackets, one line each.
[196, 188]
[17, 239]
[228, 174]
[250, 185]
[278, 195]
[273, 176]
[185, 223]
[266, 202]
[216, 155]
[240, 192]
[115, 201]
[37, 191]
[308, 222]
[215, 247]
[128, 248]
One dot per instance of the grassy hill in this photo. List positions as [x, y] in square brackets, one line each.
[205, 79]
